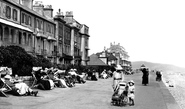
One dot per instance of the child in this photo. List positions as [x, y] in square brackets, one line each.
[131, 91]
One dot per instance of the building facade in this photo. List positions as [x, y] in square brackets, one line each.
[120, 53]
[21, 25]
[14, 30]
[63, 35]
[85, 44]
[72, 39]
[45, 27]
[75, 38]
[32, 26]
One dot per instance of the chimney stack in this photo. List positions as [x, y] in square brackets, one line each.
[69, 14]
[48, 11]
[60, 14]
[26, 3]
[69, 17]
[39, 7]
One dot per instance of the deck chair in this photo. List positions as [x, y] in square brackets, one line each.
[4, 88]
[34, 77]
[34, 80]
[51, 78]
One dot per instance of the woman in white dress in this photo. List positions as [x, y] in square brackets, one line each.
[117, 76]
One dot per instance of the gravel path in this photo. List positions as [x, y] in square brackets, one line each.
[178, 91]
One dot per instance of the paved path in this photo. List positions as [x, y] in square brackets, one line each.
[94, 95]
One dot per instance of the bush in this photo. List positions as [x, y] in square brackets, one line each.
[20, 61]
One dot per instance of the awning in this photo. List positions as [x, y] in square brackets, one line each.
[41, 35]
[51, 38]
[15, 25]
[65, 56]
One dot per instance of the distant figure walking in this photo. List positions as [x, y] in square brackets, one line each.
[145, 71]
[158, 76]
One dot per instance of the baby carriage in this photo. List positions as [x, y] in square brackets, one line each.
[120, 96]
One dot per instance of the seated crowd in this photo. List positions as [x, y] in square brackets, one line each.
[44, 79]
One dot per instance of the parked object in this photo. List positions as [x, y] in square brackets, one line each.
[120, 96]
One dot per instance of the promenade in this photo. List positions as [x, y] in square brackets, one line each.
[95, 95]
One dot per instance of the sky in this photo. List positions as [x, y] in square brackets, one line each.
[149, 30]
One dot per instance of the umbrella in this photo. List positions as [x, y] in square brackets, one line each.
[143, 66]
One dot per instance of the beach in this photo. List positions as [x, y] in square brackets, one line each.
[175, 82]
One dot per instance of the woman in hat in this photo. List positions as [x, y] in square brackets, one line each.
[117, 77]
[145, 71]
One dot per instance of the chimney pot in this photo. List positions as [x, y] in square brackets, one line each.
[38, 7]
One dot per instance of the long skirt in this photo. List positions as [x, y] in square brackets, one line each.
[145, 80]
[115, 83]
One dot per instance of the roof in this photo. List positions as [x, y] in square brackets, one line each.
[30, 11]
[94, 60]
[111, 57]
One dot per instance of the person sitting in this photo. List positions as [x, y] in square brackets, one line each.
[104, 74]
[69, 81]
[73, 74]
[60, 82]
[94, 77]
[20, 88]
[42, 81]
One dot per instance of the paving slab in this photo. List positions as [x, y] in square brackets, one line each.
[94, 95]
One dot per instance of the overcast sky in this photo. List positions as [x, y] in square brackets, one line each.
[149, 30]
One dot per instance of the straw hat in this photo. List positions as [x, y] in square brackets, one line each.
[119, 67]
